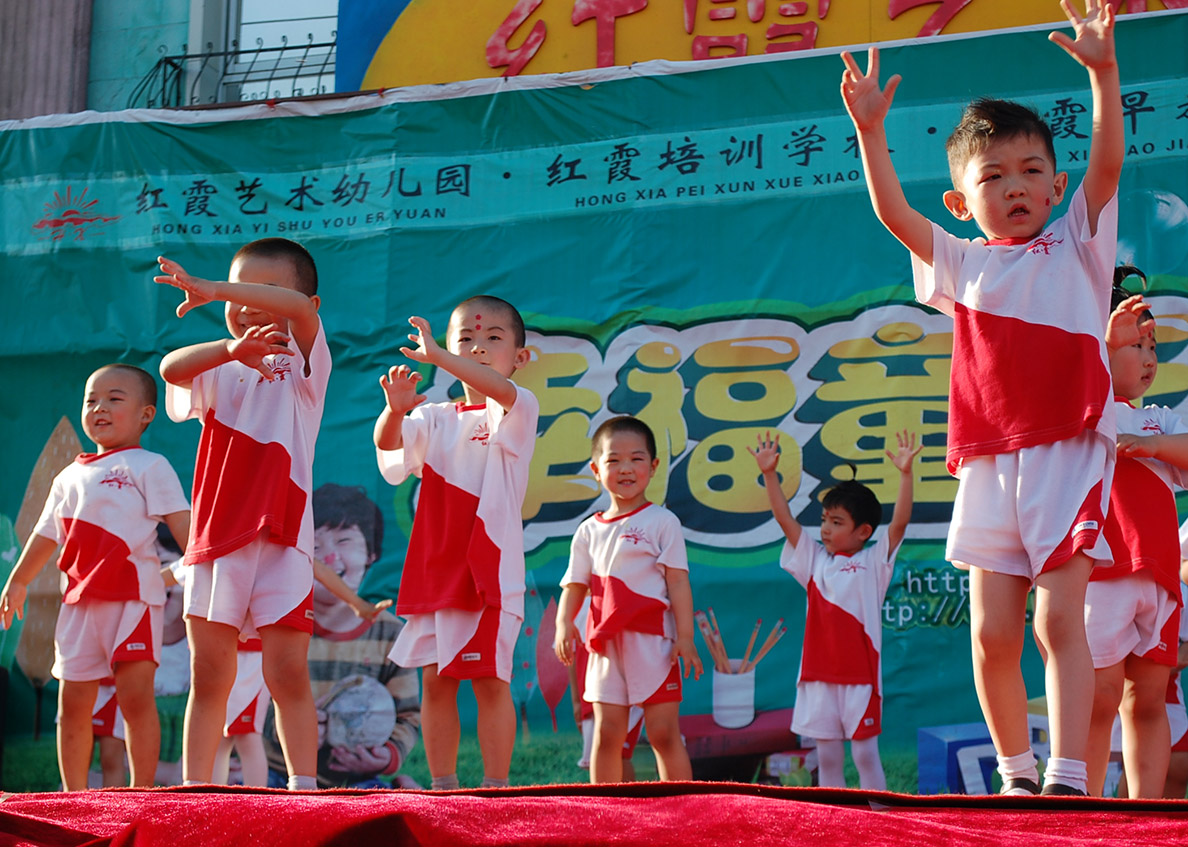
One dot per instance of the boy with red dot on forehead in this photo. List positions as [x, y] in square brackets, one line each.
[462, 589]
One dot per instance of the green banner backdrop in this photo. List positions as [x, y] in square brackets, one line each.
[692, 244]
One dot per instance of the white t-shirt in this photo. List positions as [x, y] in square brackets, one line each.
[1141, 526]
[622, 560]
[467, 545]
[104, 509]
[1029, 359]
[843, 629]
[255, 458]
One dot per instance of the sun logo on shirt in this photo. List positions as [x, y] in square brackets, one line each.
[851, 567]
[117, 478]
[635, 536]
[1152, 425]
[481, 434]
[281, 368]
[1044, 244]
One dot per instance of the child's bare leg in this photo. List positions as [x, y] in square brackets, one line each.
[212, 673]
[440, 727]
[253, 761]
[610, 731]
[1146, 736]
[1177, 776]
[142, 724]
[220, 773]
[1107, 694]
[865, 752]
[1068, 673]
[831, 763]
[662, 721]
[76, 740]
[998, 608]
[496, 725]
[111, 761]
[285, 655]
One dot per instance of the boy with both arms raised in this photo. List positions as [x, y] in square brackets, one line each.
[1031, 417]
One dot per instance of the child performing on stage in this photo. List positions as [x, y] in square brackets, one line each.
[839, 694]
[1031, 416]
[631, 559]
[462, 589]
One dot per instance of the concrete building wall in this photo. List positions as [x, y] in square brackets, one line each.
[44, 56]
[127, 39]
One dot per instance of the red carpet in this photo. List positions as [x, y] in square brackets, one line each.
[652, 814]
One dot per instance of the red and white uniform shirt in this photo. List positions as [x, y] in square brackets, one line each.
[843, 627]
[622, 561]
[1029, 357]
[467, 545]
[254, 470]
[103, 509]
[1141, 526]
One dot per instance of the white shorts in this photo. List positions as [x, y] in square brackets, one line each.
[463, 644]
[1128, 615]
[635, 669]
[831, 711]
[248, 702]
[91, 636]
[1177, 718]
[106, 718]
[258, 585]
[1030, 510]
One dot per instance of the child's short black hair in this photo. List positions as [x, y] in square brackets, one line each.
[488, 301]
[623, 423]
[338, 506]
[856, 499]
[1121, 274]
[987, 120]
[148, 385]
[304, 269]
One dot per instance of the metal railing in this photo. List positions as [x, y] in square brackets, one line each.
[221, 77]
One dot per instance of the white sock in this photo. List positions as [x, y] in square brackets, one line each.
[1070, 772]
[303, 783]
[449, 782]
[1021, 766]
[492, 782]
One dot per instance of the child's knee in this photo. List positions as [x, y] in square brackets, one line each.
[994, 639]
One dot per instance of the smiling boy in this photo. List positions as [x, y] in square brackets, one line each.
[631, 559]
[462, 588]
[1031, 444]
[103, 510]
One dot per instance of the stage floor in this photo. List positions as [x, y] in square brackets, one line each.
[651, 814]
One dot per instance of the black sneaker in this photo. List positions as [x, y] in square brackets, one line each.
[1020, 787]
[1056, 789]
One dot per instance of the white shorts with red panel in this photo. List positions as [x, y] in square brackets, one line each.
[258, 585]
[1030, 510]
[107, 721]
[831, 711]
[91, 636]
[1131, 615]
[635, 669]
[463, 644]
[248, 702]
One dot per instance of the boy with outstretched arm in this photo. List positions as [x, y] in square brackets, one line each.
[259, 395]
[1031, 417]
[839, 693]
[462, 588]
[631, 560]
[104, 509]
